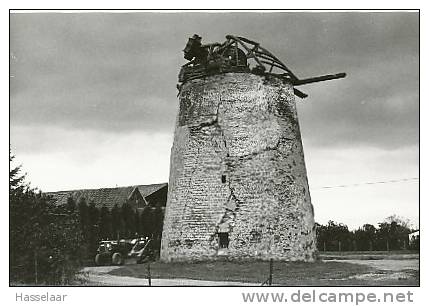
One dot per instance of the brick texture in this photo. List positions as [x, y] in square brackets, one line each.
[237, 168]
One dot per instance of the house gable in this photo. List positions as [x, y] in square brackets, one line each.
[136, 200]
[158, 198]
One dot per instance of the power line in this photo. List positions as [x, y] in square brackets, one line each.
[370, 183]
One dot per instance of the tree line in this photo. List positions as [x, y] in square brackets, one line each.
[122, 221]
[392, 234]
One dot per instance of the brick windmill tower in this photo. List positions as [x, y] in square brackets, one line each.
[238, 184]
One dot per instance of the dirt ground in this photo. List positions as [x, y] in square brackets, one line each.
[99, 276]
[399, 271]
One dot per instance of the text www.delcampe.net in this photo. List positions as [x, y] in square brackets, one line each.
[316, 296]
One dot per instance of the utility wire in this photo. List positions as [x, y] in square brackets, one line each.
[370, 183]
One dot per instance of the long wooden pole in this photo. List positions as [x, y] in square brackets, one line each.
[149, 278]
[35, 267]
[270, 279]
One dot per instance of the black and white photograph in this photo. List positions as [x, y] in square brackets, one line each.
[207, 148]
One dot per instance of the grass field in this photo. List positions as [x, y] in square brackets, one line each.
[366, 255]
[319, 273]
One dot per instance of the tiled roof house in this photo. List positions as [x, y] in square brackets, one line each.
[138, 196]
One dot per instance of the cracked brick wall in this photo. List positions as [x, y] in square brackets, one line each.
[237, 170]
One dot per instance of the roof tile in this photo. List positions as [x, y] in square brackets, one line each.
[104, 196]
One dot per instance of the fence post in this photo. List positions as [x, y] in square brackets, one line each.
[148, 274]
[270, 279]
[35, 267]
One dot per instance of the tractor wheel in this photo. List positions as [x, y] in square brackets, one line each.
[98, 260]
[117, 259]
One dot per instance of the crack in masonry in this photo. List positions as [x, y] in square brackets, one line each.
[203, 124]
[266, 149]
[232, 196]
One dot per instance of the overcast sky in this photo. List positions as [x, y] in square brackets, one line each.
[93, 100]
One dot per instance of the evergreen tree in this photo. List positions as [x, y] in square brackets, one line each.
[43, 239]
[158, 219]
[137, 222]
[83, 217]
[128, 217]
[392, 236]
[365, 237]
[93, 229]
[146, 221]
[71, 205]
[16, 179]
[117, 223]
[322, 237]
[105, 224]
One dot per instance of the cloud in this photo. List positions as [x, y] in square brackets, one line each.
[117, 72]
[80, 74]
